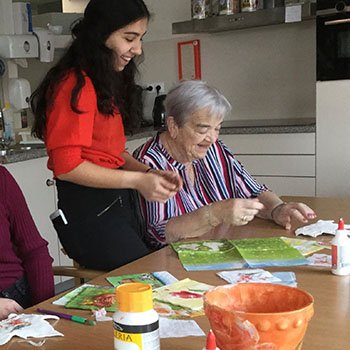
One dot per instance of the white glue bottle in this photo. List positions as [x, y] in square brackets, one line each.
[136, 324]
[341, 251]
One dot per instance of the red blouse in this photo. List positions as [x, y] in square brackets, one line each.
[72, 138]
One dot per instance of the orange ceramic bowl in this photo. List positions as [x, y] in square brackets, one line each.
[260, 316]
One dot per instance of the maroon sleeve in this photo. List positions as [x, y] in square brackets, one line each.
[31, 247]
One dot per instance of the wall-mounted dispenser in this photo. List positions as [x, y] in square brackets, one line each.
[19, 93]
[19, 46]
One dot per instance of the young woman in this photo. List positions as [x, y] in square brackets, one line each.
[80, 108]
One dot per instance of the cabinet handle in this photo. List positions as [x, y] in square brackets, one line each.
[337, 21]
[50, 182]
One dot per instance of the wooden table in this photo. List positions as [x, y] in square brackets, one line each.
[329, 329]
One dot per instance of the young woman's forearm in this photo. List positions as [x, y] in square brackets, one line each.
[92, 175]
[133, 164]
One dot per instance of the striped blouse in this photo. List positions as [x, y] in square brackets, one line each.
[218, 176]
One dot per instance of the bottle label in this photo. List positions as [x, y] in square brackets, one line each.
[334, 257]
[136, 337]
[340, 257]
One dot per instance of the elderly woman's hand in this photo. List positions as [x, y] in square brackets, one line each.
[236, 212]
[285, 212]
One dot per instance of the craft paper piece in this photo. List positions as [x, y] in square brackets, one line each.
[70, 295]
[164, 277]
[94, 297]
[248, 276]
[172, 328]
[155, 279]
[318, 228]
[187, 294]
[272, 251]
[34, 343]
[304, 246]
[101, 315]
[234, 254]
[323, 260]
[27, 326]
[209, 255]
[287, 278]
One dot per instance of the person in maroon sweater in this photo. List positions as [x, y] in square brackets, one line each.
[26, 276]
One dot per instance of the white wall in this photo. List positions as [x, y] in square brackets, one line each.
[265, 72]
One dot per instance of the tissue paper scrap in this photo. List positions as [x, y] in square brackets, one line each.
[25, 326]
[318, 228]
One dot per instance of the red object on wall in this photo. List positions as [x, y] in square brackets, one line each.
[189, 59]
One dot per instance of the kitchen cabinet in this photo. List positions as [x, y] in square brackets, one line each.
[284, 162]
[332, 130]
[32, 176]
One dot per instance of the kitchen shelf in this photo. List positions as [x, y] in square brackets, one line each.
[240, 20]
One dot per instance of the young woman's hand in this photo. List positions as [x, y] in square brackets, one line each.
[170, 176]
[159, 186]
[8, 306]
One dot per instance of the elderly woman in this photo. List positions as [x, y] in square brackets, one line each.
[216, 187]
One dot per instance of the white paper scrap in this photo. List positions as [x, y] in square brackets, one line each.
[248, 276]
[27, 326]
[320, 260]
[101, 315]
[174, 328]
[318, 228]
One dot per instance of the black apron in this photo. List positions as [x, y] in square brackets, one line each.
[104, 229]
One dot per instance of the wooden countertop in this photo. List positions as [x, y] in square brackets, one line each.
[328, 329]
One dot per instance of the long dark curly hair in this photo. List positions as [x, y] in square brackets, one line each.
[88, 54]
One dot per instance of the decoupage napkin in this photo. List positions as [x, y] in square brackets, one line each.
[318, 228]
[26, 326]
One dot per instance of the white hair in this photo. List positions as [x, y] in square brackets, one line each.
[190, 96]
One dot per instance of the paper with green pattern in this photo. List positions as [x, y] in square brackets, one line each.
[232, 254]
[272, 251]
[209, 255]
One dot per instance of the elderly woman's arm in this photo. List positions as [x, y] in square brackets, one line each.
[235, 212]
[282, 213]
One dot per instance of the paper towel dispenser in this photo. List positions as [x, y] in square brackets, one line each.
[19, 46]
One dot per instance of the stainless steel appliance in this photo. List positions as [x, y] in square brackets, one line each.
[333, 39]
